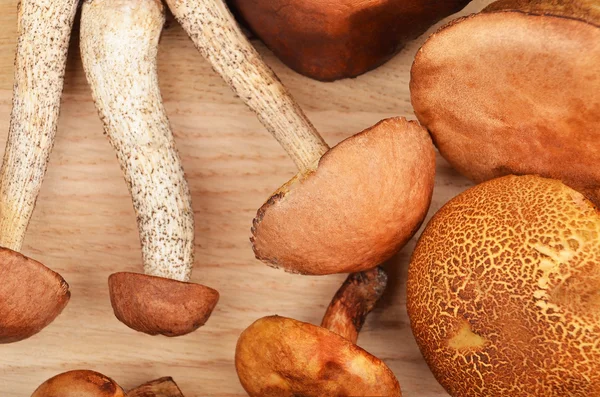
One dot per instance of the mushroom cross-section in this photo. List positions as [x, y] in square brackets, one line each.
[31, 295]
[119, 44]
[350, 207]
[163, 387]
[79, 383]
[281, 357]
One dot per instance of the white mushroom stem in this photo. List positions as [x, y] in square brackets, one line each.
[119, 44]
[44, 29]
[217, 36]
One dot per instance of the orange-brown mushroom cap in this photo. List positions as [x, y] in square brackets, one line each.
[365, 200]
[282, 357]
[31, 296]
[163, 387]
[80, 383]
[157, 305]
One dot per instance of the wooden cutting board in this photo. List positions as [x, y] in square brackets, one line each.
[84, 226]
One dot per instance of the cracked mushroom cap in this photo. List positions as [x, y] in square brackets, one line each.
[80, 383]
[31, 296]
[365, 200]
[282, 357]
[514, 90]
[504, 291]
[158, 305]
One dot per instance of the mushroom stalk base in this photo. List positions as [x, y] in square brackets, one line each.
[217, 36]
[44, 28]
[352, 303]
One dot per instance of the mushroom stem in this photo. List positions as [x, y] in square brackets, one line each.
[44, 28]
[352, 303]
[163, 387]
[217, 36]
[119, 44]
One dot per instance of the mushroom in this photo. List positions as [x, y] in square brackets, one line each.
[163, 387]
[119, 40]
[31, 295]
[79, 383]
[515, 90]
[350, 207]
[504, 291]
[335, 40]
[278, 356]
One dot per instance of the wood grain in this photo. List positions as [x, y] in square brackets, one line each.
[84, 225]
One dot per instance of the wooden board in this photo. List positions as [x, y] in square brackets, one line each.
[84, 226]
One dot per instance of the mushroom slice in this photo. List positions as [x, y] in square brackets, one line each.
[515, 90]
[79, 383]
[350, 207]
[163, 387]
[278, 356]
[119, 44]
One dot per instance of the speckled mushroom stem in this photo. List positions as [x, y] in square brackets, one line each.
[352, 303]
[119, 44]
[163, 387]
[219, 39]
[44, 28]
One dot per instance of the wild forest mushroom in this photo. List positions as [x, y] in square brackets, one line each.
[515, 89]
[278, 356]
[335, 40]
[350, 207]
[163, 387]
[504, 291]
[79, 383]
[119, 43]
[31, 295]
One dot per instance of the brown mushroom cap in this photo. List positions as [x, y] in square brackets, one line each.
[279, 357]
[31, 296]
[81, 383]
[504, 291]
[514, 90]
[163, 387]
[365, 200]
[345, 38]
[157, 305]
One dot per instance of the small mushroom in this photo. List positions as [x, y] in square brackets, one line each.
[163, 387]
[119, 44]
[278, 356]
[335, 40]
[503, 291]
[515, 89]
[31, 295]
[350, 207]
[80, 383]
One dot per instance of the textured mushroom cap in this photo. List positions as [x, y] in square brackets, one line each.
[81, 383]
[516, 92]
[31, 296]
[329, 40]
[365, 200]
[282, 357]
[157, 305]
[163, 387]
[504, 291]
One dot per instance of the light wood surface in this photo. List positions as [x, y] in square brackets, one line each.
[84, 225]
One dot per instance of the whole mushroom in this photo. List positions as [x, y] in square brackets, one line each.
[281, 357]
[504, 291]
[515, 90]
[351, 207]
[31, 295]
[119, 44]
[79, 383]
[335, 40]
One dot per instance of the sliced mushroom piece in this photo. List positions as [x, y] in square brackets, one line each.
[350, 207]
[278, 356]
[31, 295]
[163, 387]
[79, 383]
[335, 40]
[119, 44]
[515, 90]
